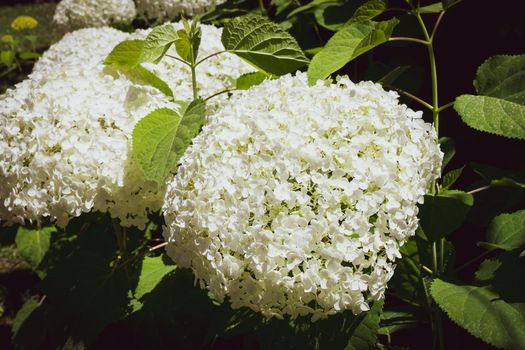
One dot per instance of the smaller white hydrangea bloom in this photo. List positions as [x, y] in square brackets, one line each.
[74, 14]
[66, 132]
[295, 199]
[170, 9]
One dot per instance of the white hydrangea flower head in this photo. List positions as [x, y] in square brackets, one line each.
[171, 9]
[295, 199]
[74, 14]
[66, 131]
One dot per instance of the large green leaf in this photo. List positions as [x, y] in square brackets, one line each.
[157, 43]
[443, 213]
[153, 271]
[160, 138]
[482, 313]
[499, 107]
[347, 44]
[364, 335]
[507, 231]
[33, 244]
[264, 44]
[141, 75]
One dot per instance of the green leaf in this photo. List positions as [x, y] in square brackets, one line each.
[407, 282]
[499, 177]
[507, 231]
[482, 313]
[487, 270]
[449, 150]
[33, 244]
[347, 44]
[152, 272]
[7, 58]
[183, 45]
[28, 55]
[311, 6]
[126, 54]
[449, 3]
[398, 319]
[451, 177]
[500, 107]
[432, 8]
[368, 10]
[157, 43]
[160, 138]
[264, 44]
[23, 314]
[444, 213]
[246, 81]
[392, 76]
[364, 335]
[141, 75]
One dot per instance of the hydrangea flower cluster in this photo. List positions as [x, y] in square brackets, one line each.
[170, 9]
[295, 199]
[65, 132]
[75, 14]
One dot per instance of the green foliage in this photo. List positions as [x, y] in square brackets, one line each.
[160, 138]
[264, 44]
[22, 314]
[152, 272]
[487, 270]
[126, 58]
[126, 54]
[436, 7]
[246, 81]
[157, 43]
[507, 231]
[482, 313]
[499, 177]
[33, 244]
[347, 44]
[364, 335]
[449, 150]
[443, 213]
[499, 107]
[368, 10]
[451, 177]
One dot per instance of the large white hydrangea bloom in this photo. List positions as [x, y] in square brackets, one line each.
[75, 14]
[65, 132]
[294, 200]
[170, 9]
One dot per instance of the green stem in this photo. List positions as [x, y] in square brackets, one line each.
[261, 6]
[194, 82]
[436, 315]
[414, 40]
[120, 235]
[209, 56]
[448, 105]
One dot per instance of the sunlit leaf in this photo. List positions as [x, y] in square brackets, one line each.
[264, 44]
[347, 44]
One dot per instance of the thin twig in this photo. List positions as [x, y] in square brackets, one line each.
[482, 255]
[209, 56]
[178, 59]
[403, 38]
[478, 189]
[438, 21]
[442, 108]
[158, 246]
[219, 93]
[413, 97]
